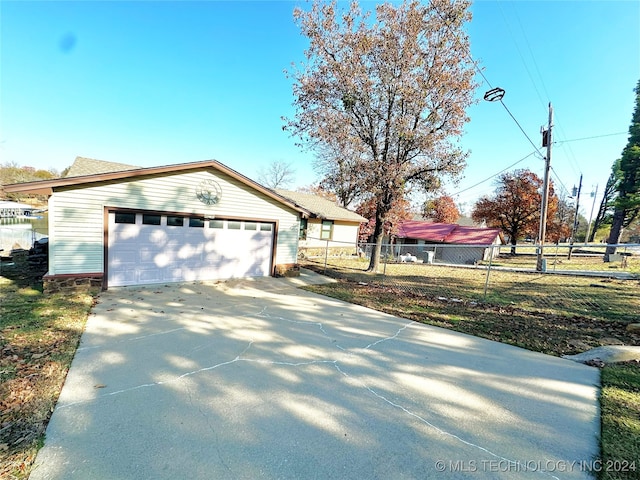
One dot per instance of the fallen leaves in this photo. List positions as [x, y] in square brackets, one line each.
[37, 342]
[534, 330]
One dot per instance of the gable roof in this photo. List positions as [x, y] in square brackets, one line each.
[321, 207]
[106, 173]
[448, 233]
[90, 166]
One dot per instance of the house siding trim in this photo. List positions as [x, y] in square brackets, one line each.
[344, 234]
[78, 220]
[49, 187]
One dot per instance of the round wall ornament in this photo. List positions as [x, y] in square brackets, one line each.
[208, 192]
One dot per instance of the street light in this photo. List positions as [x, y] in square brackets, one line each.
[575, 217]
[494, 95]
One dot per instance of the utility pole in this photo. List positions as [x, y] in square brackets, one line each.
[593, 195]
[575, 219]
[546, 141]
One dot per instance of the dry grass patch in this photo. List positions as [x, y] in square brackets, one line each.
[600, 298]
[538, 331]
[38, 338]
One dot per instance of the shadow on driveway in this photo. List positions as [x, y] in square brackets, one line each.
[258, 379]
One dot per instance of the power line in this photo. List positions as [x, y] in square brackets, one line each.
[533, 58]
[467, 54]
[575, 165]
[564, 188]
[571, 155]
[506, 21]
[520, 127]
[590, 138]
[495, 174]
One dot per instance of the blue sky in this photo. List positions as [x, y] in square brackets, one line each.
[157, 82]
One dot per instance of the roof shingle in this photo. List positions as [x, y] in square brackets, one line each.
[89, 166]
[321, 207]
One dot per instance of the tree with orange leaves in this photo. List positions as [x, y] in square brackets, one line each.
[515, 206]
[401, 210]
[441, 210]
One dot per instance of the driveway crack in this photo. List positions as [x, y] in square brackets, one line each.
[436, 428]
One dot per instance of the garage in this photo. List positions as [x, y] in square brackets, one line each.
[152, 247]
[114, 225]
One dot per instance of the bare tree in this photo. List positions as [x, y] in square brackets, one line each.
[277, 174]
[318, 191]
[392, 91]
[341, 170]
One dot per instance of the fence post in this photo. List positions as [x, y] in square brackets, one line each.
[486, 281]
[384, 268]
[555, 259]
[326, 256]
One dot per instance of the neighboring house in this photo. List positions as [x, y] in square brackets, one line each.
[464, 245]
[174, 223]
[89, 166]
[328, 225]
[10, 209]
[16, 233]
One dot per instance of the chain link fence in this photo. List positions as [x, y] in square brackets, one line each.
[18, 237]
[567, 280]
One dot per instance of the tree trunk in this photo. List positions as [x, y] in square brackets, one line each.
[592, 233]
[513, 242]
[615, 233]
[376, 252]
[378, 235]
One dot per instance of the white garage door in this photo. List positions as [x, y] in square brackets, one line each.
[153, 248]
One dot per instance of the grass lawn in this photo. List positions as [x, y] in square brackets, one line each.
[535, 330]
[38, 338]
[612, 301]
[39, 335]
[582, 258]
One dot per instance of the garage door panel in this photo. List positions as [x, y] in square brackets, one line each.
[156, 237]
[143, 254]
[147, 255]
[124, 277]
[128, 232]
[144, 275]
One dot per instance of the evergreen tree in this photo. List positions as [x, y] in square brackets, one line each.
[627, 202]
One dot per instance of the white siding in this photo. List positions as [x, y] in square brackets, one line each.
[77, 224]
[345, 234]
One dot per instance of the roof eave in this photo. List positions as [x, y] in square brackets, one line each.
[34, 188]
[47, 187]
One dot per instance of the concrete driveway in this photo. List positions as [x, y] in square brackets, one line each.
[258, 379]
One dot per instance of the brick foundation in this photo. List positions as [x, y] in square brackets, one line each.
[71, 282]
